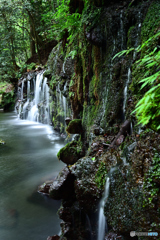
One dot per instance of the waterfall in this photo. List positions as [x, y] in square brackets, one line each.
[102, 218]
[46, 99]
[62, 103]
[125, 91]
[22, 89]
[25, 106]
[89, 226]
[65, 107]
[102, 224]
[121, 29]
[35, 108]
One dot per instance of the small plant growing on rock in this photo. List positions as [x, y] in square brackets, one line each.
[100, 177]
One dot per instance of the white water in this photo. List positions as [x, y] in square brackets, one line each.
[36, 108]
[22, 89]
[125, 91]
[102, 223]
[102, 219]
[65, 103]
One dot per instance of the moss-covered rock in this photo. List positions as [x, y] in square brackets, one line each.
[75, 127]
[134, 197]
[86, 189]
[71, 152]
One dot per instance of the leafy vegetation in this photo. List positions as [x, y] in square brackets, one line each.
[148, 107]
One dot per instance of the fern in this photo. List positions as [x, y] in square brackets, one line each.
[148, 107]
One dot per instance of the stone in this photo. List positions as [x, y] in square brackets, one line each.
[87, 192]
[44, 188]
[67, 120]
[113, 236]
[55, 237]
[119, 140]
[63, 186]
[70, 153]
[98, 131]
[74, 127]
[95, 36]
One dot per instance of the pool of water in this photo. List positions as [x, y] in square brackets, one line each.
[26, 160]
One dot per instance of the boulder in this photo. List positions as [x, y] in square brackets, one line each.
[44, 188]
[55, 237]
[67, 120]
[86, 190]
[70, 153]
[75, 127]
[63, 186]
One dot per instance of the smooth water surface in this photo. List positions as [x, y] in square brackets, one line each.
[26, 160]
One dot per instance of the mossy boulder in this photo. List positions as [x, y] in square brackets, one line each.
[70, 153]
[87, 191]
[75, 127]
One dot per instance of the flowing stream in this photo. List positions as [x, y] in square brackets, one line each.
[26, 160]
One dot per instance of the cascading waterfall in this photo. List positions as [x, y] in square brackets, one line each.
[33, 114]
[35, 108]
[26, 103]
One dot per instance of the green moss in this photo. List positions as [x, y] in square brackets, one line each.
[151, 22]
[75, 126]
[129, 35]
[71, 152]
[47, 73]
[151, 182]
[126, 212]
[100, 177]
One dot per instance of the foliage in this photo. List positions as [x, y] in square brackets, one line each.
[100, 177]
[22, 33]
[152, 181]
[62, 20]
[148, 108]
[149, 25]
[69, 21]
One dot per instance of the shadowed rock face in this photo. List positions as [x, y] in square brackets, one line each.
[55, 237]
[63, 185]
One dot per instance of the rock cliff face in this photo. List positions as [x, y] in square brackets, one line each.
[102, 92]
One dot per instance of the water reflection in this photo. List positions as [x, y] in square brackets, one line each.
[26, 160]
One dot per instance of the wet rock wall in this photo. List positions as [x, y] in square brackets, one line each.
[102, 92]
